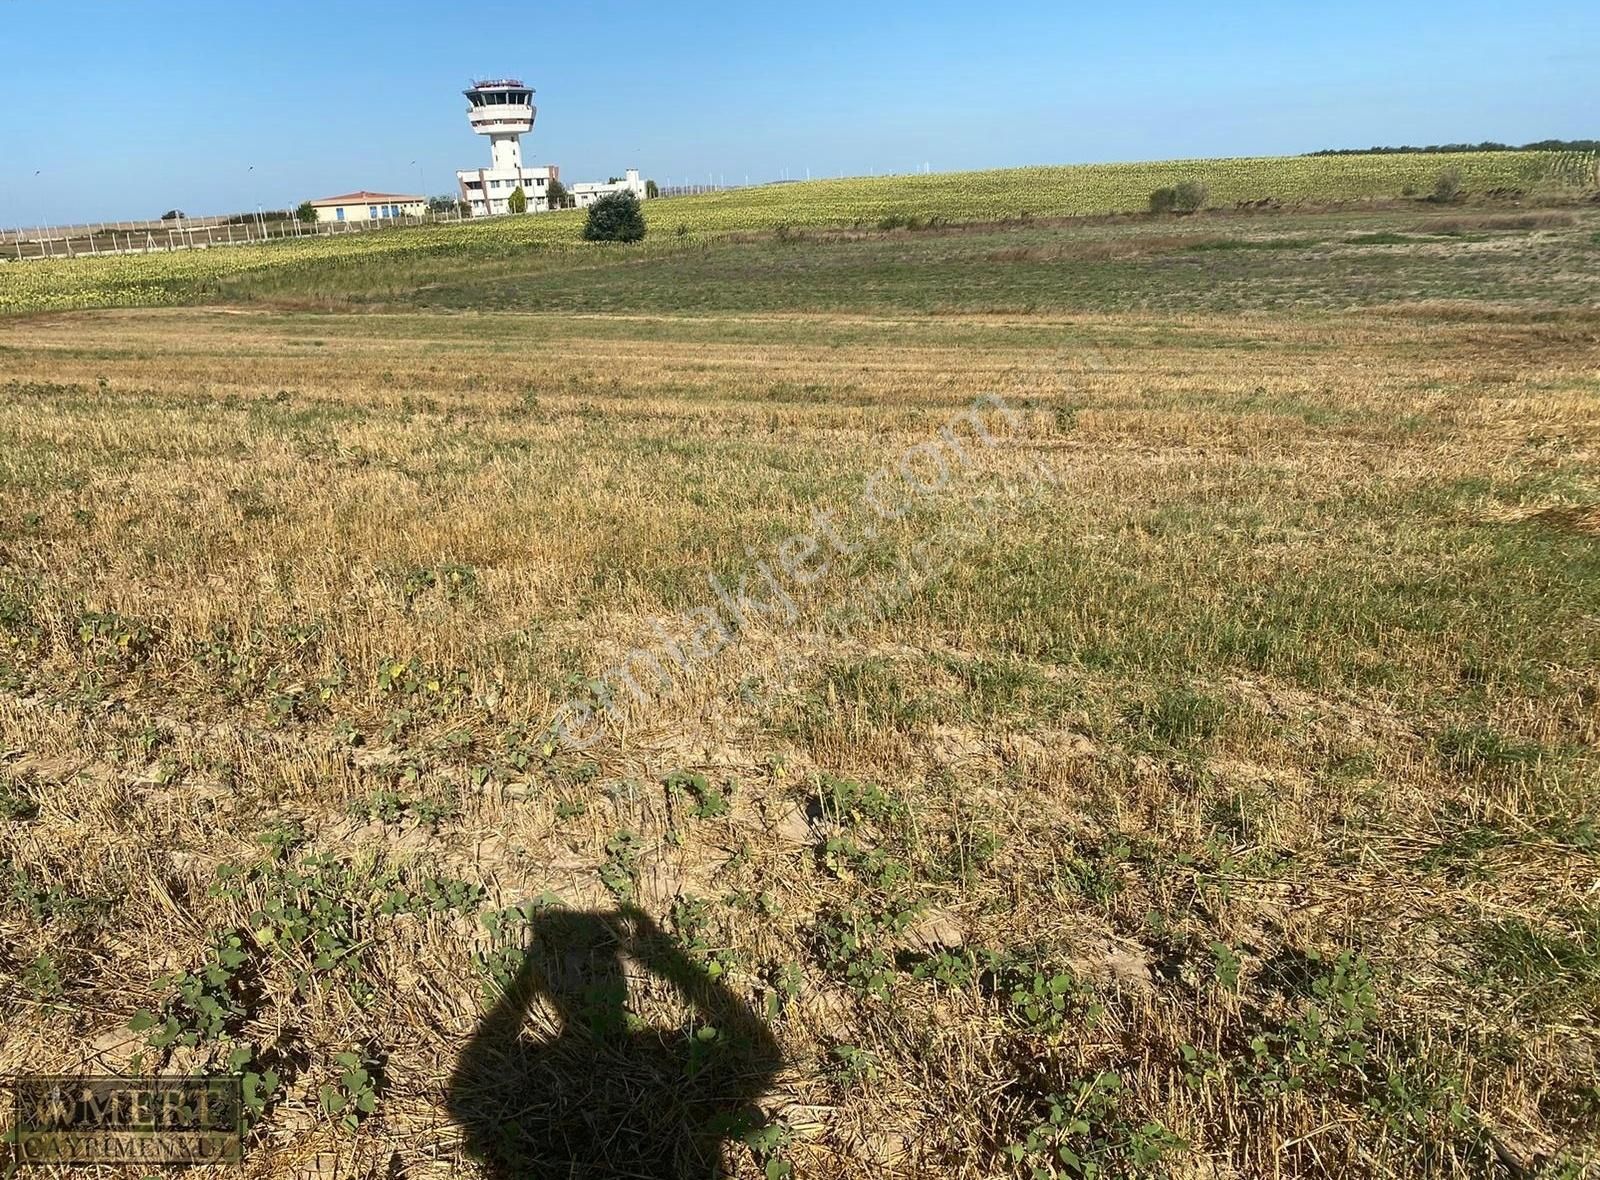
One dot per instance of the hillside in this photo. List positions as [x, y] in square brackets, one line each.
[1010, 194]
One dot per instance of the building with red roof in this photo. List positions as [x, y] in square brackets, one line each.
[364, 205]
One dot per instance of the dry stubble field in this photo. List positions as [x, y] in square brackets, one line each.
[1219, 803]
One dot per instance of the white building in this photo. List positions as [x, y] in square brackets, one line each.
[365, 206]
[503, 110]
[584, 195]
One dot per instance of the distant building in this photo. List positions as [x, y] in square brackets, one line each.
[488, 190]
[365, 206]
[584, 195]
[502, 109]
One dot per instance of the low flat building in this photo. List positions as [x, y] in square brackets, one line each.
[584, 195]
[367, 206]
[487, 190]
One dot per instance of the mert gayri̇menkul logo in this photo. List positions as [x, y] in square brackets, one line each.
[138, 1120]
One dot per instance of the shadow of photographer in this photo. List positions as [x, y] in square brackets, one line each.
[559, 1080]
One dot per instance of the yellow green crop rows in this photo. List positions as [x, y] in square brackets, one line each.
[1114, 188]
[187, 276]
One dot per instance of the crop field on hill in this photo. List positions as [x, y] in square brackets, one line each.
[195, 275]
[1106, 699]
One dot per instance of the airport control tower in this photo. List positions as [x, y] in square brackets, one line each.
[502, 109]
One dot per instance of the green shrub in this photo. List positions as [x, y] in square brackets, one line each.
[1187, 196]
[1191, 196]
[1448, 187]
[615, 217]
[899, 220]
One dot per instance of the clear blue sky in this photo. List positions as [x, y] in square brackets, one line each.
[127, 108]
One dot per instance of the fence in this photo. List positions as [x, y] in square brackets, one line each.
[189, 233]
[202, 233]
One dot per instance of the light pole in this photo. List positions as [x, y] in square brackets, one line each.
[261, 221]
[46, 243]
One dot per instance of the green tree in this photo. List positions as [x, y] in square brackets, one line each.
[305, 211]
[1192, 196]
[1187, 196]
[615, 217]
[650, 190]
[517, 202]
[556, 194]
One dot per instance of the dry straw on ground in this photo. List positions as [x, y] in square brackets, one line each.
[1249, 766]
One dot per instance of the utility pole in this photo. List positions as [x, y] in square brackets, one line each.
[46, 243]
[260, 221]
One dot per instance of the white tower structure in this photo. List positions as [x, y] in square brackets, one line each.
[502, 109]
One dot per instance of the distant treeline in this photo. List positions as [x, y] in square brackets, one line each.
[1544, 145]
